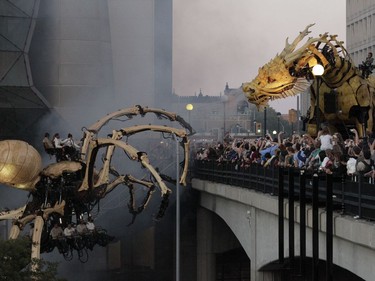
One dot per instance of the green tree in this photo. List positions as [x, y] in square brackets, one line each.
[16, 263]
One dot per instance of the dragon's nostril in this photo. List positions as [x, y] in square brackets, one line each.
[250, 90]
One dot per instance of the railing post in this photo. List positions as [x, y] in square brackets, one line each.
[329, 228]
[281, 215]
[213, 169]
[359, 196]
[227, 178]
[273, 180]
[302, 215]
[315, 228]
[264, 181]
[343, 182]
[291, 215]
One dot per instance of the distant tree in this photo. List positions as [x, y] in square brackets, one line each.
[16, 263]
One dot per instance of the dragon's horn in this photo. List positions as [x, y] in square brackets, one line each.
[289, 48]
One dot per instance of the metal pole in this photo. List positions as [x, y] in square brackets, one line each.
[291, 217]
[254, 122]
[359, 196]
[329, 228]
[265, 122]
[343, 181]
[224, 123]
[281, 215]
[317, 105]
[315, 230]
[298, 114]
[302, 215]
[177, 210]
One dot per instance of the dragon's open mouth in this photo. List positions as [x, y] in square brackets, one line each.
[262, 96]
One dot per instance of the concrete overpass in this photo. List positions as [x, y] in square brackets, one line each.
[252, 216]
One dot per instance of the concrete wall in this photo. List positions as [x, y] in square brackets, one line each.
[213, 237]
[252, 216]
[132, 32]
[360, 28]
[141, 33]
[71, 57]
[71, 49]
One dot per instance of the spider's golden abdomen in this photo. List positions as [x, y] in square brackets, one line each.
[20, 164]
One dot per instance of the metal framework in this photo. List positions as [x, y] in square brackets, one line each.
[21, 104]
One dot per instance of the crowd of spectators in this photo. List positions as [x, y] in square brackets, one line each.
[327, 153]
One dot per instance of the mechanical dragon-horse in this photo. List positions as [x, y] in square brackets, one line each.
[346, 98]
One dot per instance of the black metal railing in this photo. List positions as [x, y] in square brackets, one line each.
[354, 196]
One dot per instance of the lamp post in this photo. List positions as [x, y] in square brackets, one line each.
[265, 121]
[278, 114]
[178, 207]
[318, 71]
[189, 107]
[224, 99]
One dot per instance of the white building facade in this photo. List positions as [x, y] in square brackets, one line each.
[360, 28]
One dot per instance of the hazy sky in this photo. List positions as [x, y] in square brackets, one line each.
[219, 41]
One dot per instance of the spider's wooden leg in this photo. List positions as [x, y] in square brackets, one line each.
[186, 164]
[39, 223]
[37, 234]
[12, 214]
[18, 226]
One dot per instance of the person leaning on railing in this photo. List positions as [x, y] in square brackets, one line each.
[364, 162]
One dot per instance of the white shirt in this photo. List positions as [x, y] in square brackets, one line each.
[81, 228]
[90, 226]
[69, 231]
[326, 142]
[70, 142]
[57, 143]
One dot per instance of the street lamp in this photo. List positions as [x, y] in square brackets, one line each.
[318, 71]
[224, 99]
[178, 205]
[265, 121]
[278, 121]
[189, 107]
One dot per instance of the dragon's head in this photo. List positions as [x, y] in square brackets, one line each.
[287, 74]
[274, 81]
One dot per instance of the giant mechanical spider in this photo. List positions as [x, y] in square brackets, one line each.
[66, 190]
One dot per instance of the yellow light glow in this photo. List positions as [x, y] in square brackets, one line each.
[8, 172]
[318, 70]
[312, 62]
[189, 106]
